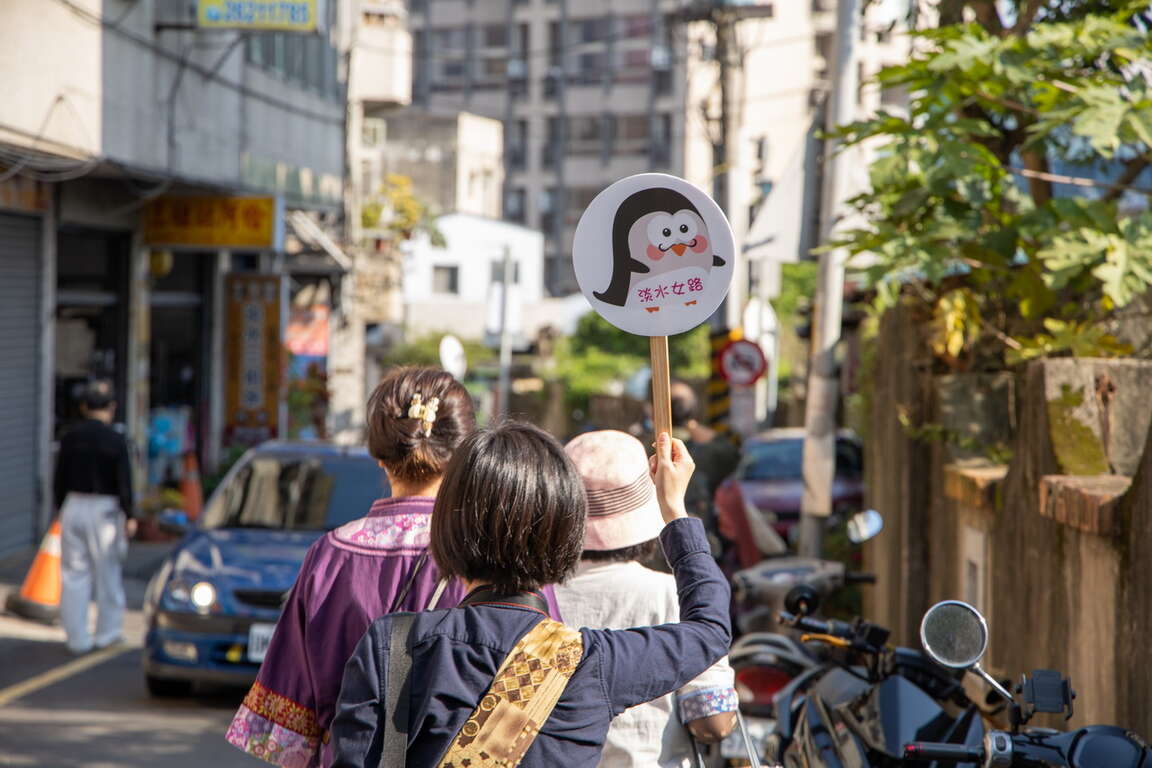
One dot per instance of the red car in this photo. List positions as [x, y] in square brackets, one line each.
[769, 482]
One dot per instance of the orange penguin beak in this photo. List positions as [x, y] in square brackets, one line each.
[679, 248]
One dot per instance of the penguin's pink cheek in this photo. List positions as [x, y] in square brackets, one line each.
[655, 253]
[701, 244]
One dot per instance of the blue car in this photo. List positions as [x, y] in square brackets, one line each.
[213, 604]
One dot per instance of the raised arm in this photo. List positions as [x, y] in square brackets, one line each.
[638, 665]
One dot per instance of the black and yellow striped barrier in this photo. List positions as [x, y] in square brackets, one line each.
[719, 395]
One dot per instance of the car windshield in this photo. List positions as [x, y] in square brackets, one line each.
[297, 492]
[784, 459]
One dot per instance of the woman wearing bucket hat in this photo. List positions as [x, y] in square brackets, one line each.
[612, 590]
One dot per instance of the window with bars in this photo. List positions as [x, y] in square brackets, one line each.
[584, 134]
[636, 26]
[446, 279]
[494, 36]
[516, 144]
[552, 142]
[514, 204]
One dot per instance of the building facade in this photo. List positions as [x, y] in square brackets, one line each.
[456, 288]
[150, 163]
[592, 91]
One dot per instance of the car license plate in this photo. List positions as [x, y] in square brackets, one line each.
[259, 636]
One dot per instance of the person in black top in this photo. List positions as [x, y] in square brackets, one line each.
[716, 456]
[93, 490]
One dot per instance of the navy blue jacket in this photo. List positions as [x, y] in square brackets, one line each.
[457, 652]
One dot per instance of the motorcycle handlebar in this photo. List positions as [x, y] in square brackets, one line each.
[956, 753]
[859, 577]
[819, 627]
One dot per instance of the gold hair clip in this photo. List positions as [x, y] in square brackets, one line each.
[426, 412]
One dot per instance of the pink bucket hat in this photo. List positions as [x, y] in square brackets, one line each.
[622, 508]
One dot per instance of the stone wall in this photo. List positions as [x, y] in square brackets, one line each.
[1053, 546]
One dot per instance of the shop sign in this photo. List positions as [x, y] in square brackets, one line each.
[255, 357]
[254, 223]
[284, 15]
[23, 194]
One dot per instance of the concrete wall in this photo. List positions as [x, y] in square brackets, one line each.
[455, 160]
[1051, 547]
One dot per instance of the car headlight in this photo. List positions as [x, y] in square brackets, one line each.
[202, 595]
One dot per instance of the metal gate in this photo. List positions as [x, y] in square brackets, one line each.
[19, 379]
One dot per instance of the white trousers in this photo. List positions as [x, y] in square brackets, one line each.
[93, 545]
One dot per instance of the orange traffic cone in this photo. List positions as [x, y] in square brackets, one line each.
[190, 487]
[39, 597]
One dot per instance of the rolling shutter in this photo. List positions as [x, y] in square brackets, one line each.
[19, 379]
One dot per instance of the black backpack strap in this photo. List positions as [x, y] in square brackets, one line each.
[396, 697]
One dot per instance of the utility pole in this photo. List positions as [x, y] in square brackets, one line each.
[725, 16]
[505, 388]
[823, 384]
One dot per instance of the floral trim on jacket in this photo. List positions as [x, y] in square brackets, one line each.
[393, 532]
[706, 702]
[276, 729]
[386, 531]
[269, 741]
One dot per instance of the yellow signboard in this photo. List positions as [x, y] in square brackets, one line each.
[255, 357]
[222, 222]
[288, 15]
[18, 193]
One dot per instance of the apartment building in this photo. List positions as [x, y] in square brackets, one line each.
[596, 90]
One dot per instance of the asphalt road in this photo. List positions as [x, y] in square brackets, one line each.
[62, 711]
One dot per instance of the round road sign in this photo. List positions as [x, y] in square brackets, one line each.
[742, 362]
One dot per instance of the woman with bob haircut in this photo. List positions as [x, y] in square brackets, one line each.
[360, 571]
[494, 682]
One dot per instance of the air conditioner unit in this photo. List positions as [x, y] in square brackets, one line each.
[517, 68]
[661, 57]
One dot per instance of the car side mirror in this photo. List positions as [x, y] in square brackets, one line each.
[864, 526]
[174, 521]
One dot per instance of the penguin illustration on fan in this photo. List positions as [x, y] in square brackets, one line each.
[661, 252]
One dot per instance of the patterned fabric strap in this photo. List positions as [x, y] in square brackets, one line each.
[276, 729]
[520, 699]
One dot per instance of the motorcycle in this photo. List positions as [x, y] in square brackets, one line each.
[867, 700]
[955, 636]
[766, 661]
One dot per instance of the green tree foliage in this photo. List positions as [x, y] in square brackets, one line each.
[964, 209]
[598, 353]
[400, 212]
[424, 350]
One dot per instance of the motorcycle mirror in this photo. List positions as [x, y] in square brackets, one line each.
[802, 600]
[954, 634]
[864, 526]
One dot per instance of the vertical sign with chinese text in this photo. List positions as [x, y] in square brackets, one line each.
[254, 352]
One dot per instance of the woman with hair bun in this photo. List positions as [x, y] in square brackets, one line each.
[370, 567]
